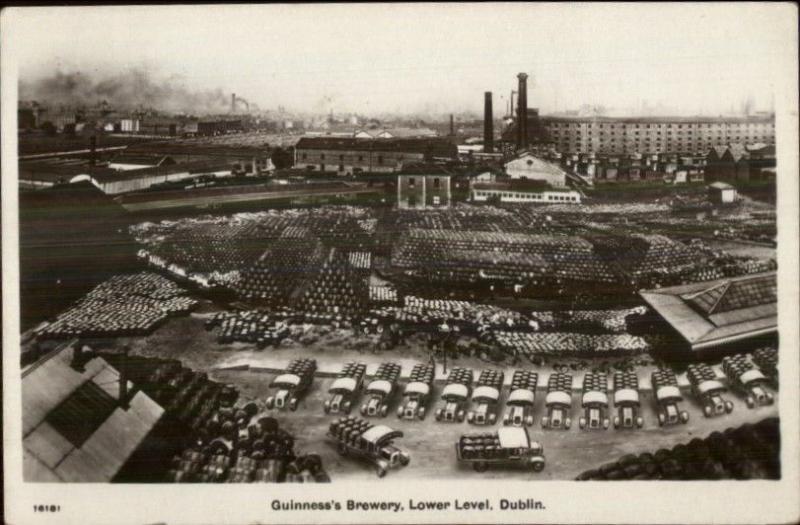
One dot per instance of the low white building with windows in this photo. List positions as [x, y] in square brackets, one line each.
[529, 167]
[523, 192]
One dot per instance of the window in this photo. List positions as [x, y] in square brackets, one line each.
[305, 156]
[411, 182]
[341, 157]
[436, 183]
[361, 158]
[380, 160]
[436, 200]
[322, 157]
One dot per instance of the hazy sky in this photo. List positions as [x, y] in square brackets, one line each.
[412, 58]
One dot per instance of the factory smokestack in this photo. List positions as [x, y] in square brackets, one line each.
[488, 125]
[522, 111]
[233, 102]
[452, 126]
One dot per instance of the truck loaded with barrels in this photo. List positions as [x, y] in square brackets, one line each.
[747, 380]
[626, 400]
[417, 392]
[766, 359]
[594, 402]
[379, 391]
[708, 390]
[486, 397]
[558, 401]
[508, 446]
[361, 439]
[455, 395]
[345, 388]
[668, 397]
[519, 406]
[292, 384]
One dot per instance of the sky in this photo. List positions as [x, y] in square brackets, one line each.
[426, 58]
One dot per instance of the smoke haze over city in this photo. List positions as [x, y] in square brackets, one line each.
[628, 58]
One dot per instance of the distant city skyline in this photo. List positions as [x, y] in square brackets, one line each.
[688, 59]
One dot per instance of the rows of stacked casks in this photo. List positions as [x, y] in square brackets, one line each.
[273, 278]
[566, 344]
[353, 369]
[614, 321]
[422, 373]
[699, 372]
[524, 380]
[491, 378]
[661, 261]
[124, 305]
[302, 367]
[766, 359]
[625, 379]
[560, 382]
[388, 371]
[485, 445]
[251, 326]
[735, 365]
[663, 377]
[460, 375]
[747, 380]
[595, 382]
[336, 289]
[244, 449]
[751, 451]
[348, 429]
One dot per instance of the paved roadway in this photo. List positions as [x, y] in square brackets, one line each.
[431, 444]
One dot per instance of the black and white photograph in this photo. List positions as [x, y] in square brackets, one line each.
[479, 248]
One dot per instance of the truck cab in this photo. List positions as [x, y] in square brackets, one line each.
[595, 404]
[454, 395]
[558, 404]
[284, 398]
[627, 402]
[341, 390]
[668, 397]
[415, 394]
[709, 392]
[378, 391]
[377, 443]
[484, 398]
[519, 405]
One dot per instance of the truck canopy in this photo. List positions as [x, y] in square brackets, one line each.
[668, 392]
[595, 397]
[513, 437]
[346, 384]
[486, 392]
[751, 375]
[520, 396]
[709, 385]
[558, 397]
[286, 380]
[418, 387]
[626, 395]
[380, 434]
[455, 390]
[380, 385]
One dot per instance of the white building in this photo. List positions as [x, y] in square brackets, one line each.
[522, 193]
[529, 167]
[721, 192]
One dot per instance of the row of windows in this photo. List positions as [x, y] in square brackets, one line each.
[527, 196]
[574, 125]
[412, 183]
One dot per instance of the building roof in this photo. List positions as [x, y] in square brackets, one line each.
[140, 160]
[438, 147]
[664, 119]
[721, 186]
[54, 395]
[202, 166]
[721, 311]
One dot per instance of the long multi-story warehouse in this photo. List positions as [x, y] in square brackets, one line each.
[654, 134]
[353, 155]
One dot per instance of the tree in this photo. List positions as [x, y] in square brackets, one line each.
[283, 158]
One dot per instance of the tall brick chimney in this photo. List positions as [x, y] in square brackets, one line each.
[522, 111]
[488, 124]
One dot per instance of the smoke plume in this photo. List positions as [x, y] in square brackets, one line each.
[128, 90]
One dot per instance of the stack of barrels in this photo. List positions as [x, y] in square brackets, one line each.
[524, 380]
[348, 429]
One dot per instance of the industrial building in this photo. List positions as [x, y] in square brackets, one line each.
[715, 314]
[738, 162]
[348, 156]
[721, 193]
[529, 167]
[653, 134]
[423, 188]
[521, 191]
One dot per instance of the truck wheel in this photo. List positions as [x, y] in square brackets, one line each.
[538, 465]
[567, 423]
[326, 407]
[545, 421]
[363, 410]
[728, 407]
[399, 412]
[582, 422]
[616, 421]
[684, 417]
[421, 413]
[606, 423]
[470, 417]
[750, 401]
[492, 419]
[480, 466]
[293, 405]
[438, 415]
[270, 403]
[707, 411]
[640, 421]
[460, 416]
[661, 419]
[529, 421]
[404, 459]
[346, 407]
[381, 472]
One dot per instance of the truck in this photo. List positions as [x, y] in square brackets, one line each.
[519, 405]
[558, 401]
[455, 394]
[766, 359]
[748, 380]
[626, 400]
[292, 384]
[486, 397]
[360, 439]
[508, 446]
[594, 402]
[708, 390]
[417, 392]
[668, 397]
[379, 391]
[345, 388]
